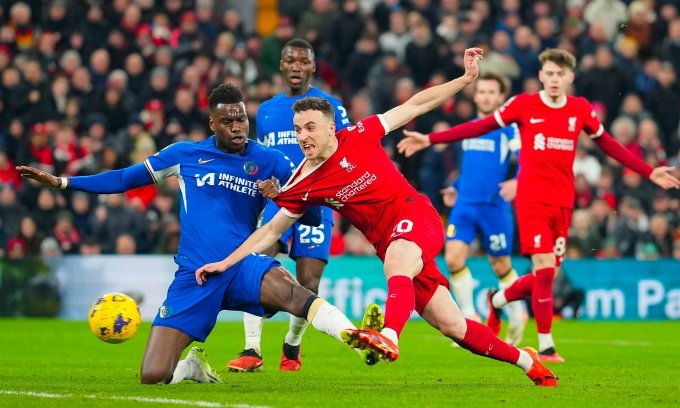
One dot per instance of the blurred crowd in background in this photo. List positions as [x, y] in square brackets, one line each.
[88, 86]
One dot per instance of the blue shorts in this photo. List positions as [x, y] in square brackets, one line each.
[492, 220]
[307, 242]
[193, 309]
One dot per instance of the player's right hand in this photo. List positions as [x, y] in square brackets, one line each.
[663, 177]
[412, 143]
[269, 188]
[215, 267]
[40, 176]
[449, 196]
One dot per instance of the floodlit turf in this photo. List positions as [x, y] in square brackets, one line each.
[45, 363]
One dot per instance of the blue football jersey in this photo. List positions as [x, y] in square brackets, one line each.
[219, 199]
[485, 165]
[275, 122]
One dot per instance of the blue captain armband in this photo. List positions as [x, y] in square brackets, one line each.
[114, 181]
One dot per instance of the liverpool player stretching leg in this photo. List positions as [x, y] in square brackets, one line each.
[349, 171]
[549, 124]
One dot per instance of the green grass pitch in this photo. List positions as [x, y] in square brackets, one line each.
[52, 363]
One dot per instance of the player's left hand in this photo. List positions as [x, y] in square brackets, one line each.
[662, 176]
[269, 188]
[470, 59]
[508, 189]
[412, 143]
[215, 267]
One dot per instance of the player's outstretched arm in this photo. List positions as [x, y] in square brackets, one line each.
[258, 241]
[660, 176]
[114, 181]
[428, 99]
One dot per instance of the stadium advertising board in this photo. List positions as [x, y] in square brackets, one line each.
[611, 289]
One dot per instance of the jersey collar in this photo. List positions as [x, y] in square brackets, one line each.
[546, 100]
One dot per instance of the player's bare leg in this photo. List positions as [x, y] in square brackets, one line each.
[161, 363]
[462, 284]
[308, 272]
[403, 261]
[517, 315]
[280, 291]
[250, 359]
[443, 314]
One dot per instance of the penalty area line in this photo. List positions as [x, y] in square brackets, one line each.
[151, 400]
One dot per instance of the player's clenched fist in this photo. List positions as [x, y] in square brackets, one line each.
[412, 142]
[269, 188]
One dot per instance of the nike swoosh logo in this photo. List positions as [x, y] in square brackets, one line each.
[544, 300]
[201, 161]
[534, 121]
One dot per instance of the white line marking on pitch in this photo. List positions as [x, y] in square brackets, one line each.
[137, 399]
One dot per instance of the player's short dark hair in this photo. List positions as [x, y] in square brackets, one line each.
[503, 82]
[298, 43]
[562, 58]
[226, 94]
[312, 103]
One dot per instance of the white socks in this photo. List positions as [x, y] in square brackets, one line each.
[390, 334]
[462, 286]
[328, 319]
[525, 361]
[296, 328]
[545, 341]
[253, 327]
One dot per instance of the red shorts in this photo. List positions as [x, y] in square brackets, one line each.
[417, 222]
[420, 224]
[543, 229]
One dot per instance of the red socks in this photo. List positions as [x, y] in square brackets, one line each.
[401, 300]
[520, 288]
[480, 340]
[542, 299]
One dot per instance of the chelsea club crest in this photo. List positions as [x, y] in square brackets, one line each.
[251, 168]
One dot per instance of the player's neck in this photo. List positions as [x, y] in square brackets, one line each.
[325, 154]
[297, 92]
[553, 101]
[482, 115]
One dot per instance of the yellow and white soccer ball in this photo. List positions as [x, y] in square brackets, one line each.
[114, 318]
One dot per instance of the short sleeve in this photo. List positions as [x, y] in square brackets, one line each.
[291, 203]
[284, 167]
[510, 112]
[165, 163]
[591, 125]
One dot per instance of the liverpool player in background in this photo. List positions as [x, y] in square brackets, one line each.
[549, 124]
[310, 245]
[480, 200]
[350, 172]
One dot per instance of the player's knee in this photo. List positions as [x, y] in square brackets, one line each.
[155, 375]
[454, 262]
[453, 328]
[501, 266]
[541, 261]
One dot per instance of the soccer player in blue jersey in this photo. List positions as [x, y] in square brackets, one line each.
[310, 245]
[219, 209]
[480, 205]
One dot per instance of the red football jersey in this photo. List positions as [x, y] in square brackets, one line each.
[549, 135]
[359, 181]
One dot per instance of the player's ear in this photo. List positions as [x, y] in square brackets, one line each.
[313, 66]
[571, 76]
[331, 127]
[212, 123]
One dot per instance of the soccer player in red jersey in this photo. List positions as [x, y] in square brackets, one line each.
[549, 124]
[350, 172]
